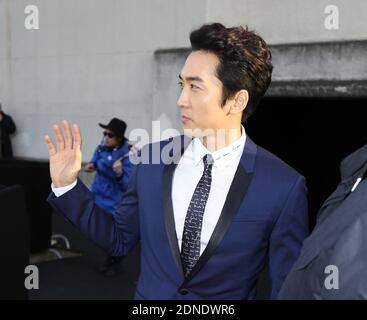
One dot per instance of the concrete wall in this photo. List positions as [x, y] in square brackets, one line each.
[293, 21]
[92, 60]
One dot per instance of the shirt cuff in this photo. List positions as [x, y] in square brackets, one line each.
[62, 190]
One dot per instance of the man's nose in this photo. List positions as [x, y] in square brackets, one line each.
[183, 99]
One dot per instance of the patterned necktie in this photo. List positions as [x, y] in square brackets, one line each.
[190, 247]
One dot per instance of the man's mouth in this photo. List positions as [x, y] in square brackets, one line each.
[185, 118]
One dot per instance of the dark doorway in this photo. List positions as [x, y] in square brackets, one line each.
[312, 136]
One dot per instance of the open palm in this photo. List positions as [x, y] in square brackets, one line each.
[66, 158]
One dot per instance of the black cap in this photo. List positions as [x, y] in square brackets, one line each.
[117, 126]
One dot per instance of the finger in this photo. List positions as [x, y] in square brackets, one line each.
[59, 138]
[68, 140]
[50, 145]
[77, 142]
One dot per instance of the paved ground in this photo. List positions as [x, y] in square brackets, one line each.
[77, 277]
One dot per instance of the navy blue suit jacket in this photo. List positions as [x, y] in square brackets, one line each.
[264, 219]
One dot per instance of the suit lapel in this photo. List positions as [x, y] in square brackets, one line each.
[343, 189]
[179, 145]
[351, 168]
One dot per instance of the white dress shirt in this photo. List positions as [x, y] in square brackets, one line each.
[187, 175]
[61, 190]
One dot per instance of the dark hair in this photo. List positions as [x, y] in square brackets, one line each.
[244, 60]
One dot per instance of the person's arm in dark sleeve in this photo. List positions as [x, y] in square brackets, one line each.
[287, 236]
[8, 124]
[117, 233]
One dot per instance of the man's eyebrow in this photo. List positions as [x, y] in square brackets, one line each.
[191, 78]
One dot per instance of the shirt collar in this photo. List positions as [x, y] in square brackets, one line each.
[222, 157]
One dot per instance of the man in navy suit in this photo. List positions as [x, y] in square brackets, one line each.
[215, 207]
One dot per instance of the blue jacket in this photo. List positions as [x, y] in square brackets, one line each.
[107, 187]
[264, 219]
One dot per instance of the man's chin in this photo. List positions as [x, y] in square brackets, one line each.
[192, 132]
[188, 132]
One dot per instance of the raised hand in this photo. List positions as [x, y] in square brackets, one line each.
[90, 167]
[66, 159]
[117, 167]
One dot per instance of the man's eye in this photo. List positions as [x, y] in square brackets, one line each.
[180, 84]
[194, 86]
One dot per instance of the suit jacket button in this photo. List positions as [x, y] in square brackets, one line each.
[184, 291]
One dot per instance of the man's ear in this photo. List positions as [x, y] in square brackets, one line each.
[240, 102]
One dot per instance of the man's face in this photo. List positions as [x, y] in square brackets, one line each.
[201, 96]
[110, 140]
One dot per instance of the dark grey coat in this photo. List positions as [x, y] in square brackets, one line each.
[339, 241]
[7, 127]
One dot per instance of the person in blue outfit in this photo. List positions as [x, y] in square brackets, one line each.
[111, 161]
[112, 165]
